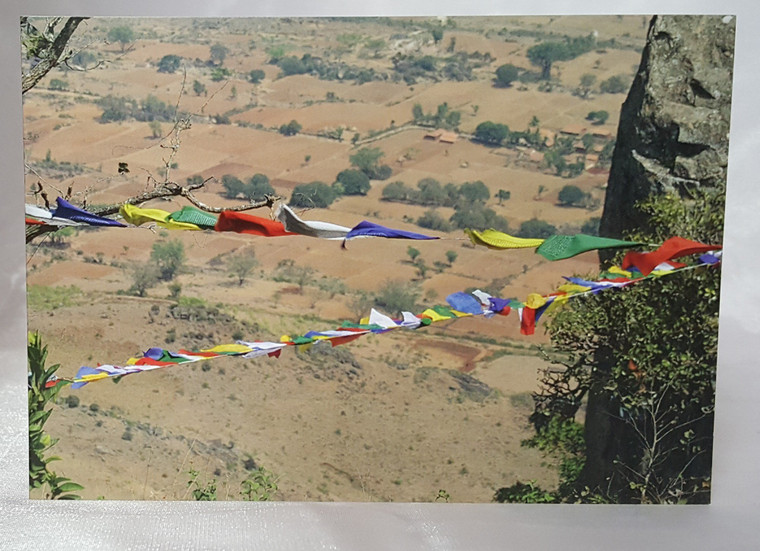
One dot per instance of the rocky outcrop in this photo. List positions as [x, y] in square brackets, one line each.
[673, 131]
[672, 137]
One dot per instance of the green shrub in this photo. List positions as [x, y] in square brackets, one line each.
[314, 194]
[536, 229]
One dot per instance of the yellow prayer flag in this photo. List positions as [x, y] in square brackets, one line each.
[535, 301]
[229, 349]
[619, 270]
[138, 215]
[498, 240]
[435, 316]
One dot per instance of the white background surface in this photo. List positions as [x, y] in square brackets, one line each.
[730, 522]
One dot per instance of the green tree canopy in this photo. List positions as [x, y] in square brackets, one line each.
[241, 264]
[543, 55]
[367, 160]
[491, 133]
[290, 129]
[478, 217]
[536, 229]
[169, 257]
[256, 76]
[257, 187]
[169, 63]
[218, 53]
[314, 194]
[233, 186]
[474, 192]
[198, 87]
[396, 191]
[614, 85]
[571, 195]
[123, 35]
[395, 297]
[506, 74]
[354, 182]
[598, 117]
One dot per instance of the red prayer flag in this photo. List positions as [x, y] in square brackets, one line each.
[337, 341]
[528, 321]
[240, 222]
[675, 247]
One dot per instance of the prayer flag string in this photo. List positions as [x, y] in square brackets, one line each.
[460, 305]
[287, 223]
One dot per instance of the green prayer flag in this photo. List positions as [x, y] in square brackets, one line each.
[443, 311]
[192, 215]
[559, 247]
[366, 326]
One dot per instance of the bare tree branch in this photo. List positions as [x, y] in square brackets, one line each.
[50, 54]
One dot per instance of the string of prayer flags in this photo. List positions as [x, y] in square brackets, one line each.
[675, 247]
[70, 212]
[478, 303]
[560, 247]
[499, 240]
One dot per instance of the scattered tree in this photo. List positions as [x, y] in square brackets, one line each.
[354, 182]
[437, 33]
[543, 55]
[155, 129]
[218, 53]
[123, 35]
[614, 85]
[591, 226]
[256, 76]
[144, 277]
[169, 63]
[258, 187]
[395, 297]
[474, 192]
[503, 195]
[451, 256]
[220, 73]
[290, 129]
[58, 84]
[478, 217]
[367, 160]
[536, 229]
[169, 257]
[587, 81]
[433, 221]
[313, 195]
[506, 74]
[233, 186]
[491, 133]
[597, 117]
[198, 87]
[572, 196]
[241, 264]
